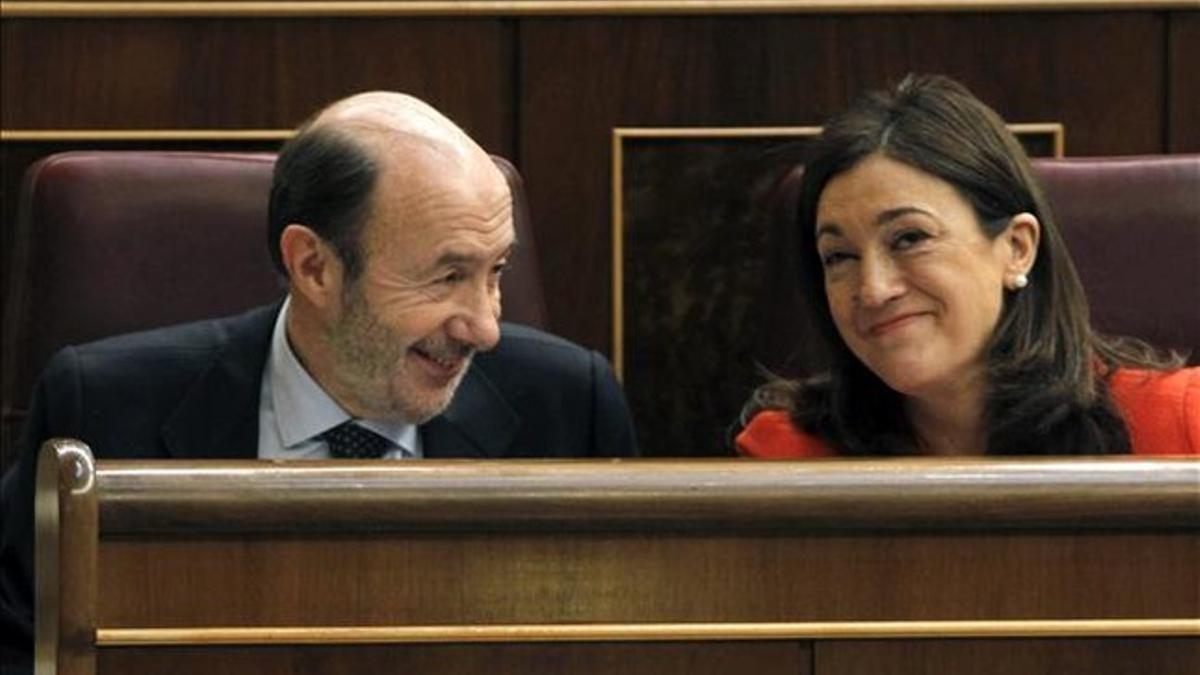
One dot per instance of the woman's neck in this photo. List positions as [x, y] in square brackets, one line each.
[951, 422]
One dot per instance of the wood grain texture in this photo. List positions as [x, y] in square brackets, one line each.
[1183, 87]
[209, 73]
[710, 658]
[337, 8]
[1170, 656]
[587, 577]
[466, 543]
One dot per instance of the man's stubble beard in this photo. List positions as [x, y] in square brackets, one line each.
[372, 361]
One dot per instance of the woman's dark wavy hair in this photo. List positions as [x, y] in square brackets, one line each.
[1046, 366]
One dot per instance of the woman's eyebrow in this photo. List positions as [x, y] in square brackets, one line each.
[884, 217]
[891, 214]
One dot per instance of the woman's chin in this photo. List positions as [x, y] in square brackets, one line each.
[910, 381]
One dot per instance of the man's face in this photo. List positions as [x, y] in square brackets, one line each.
[428, 297]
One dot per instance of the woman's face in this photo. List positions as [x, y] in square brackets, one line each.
[914, 285]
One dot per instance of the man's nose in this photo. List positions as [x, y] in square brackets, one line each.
[477, 323]
[879, 281]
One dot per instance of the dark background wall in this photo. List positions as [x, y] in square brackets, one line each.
[547, 91]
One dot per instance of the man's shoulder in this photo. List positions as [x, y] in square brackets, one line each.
[166, 349]
[529, 348]
[515, 336]
[566, 397]
[117, 393]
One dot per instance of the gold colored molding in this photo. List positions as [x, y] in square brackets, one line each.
[1054, 129]
[618, 255]
[293, 8]
[637, 632]
[622, 133]
[135, 135]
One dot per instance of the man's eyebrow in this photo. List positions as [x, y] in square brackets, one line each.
[828, 229]
[451, 258]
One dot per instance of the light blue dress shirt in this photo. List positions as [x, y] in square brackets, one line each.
[294, 410]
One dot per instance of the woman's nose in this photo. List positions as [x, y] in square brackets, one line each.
[879, 281]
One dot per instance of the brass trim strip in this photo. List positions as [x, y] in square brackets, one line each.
[1055, 129]
[155, 135]
[361, 8]
[618, 257]
[675, 632]
[713, 132]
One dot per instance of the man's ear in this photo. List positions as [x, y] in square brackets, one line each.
[313, 267]
[1020, 242]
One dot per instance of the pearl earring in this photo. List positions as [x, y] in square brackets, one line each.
[1020, 281]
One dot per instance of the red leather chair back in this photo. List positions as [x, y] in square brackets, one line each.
[1132, 225]
[113, 242]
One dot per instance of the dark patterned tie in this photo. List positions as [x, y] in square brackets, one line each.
[350, 441]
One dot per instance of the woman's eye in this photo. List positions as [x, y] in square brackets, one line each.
[909, 238]
[451, 277]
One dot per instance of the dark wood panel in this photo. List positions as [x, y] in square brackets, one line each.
[1161, 656]
[670, 658]
[584, 577]
[582, 77]
[249, 73]
[1183, 85]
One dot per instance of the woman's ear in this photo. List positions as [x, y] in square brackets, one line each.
[314, 269]
[1020, 244]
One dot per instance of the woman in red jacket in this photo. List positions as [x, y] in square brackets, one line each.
[944, 292]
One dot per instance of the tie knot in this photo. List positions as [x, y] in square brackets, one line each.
[351, 441]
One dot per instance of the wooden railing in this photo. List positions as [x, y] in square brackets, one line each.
[624, 566]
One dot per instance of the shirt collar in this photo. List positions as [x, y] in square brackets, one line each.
[304, 410]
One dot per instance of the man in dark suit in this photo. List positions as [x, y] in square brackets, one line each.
[393, 228]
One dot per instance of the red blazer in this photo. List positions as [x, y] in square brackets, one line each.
[1161, 411]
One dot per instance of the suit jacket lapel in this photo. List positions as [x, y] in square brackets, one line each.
[218, 419]
[479, 423]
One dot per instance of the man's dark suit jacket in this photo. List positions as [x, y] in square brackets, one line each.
[192, 392]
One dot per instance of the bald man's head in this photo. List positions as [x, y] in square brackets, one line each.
[393, 227]
[325, 177]
[392, 114]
